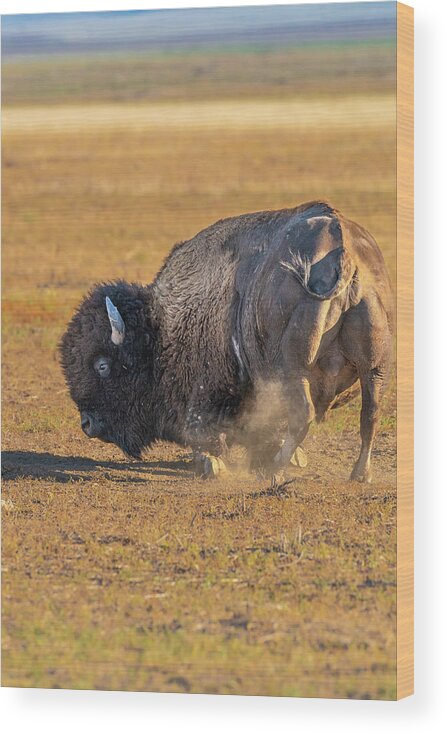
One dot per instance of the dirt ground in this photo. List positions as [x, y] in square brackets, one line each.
[136, 575]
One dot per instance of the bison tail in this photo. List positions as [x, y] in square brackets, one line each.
[345, 397]
[324, 279]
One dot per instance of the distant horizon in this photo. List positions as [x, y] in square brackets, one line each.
[156, 29]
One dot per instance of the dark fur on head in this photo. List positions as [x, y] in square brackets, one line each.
[122, 400]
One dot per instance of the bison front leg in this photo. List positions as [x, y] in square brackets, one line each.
[372, 383]
[300, 414]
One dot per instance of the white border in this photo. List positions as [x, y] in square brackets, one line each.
[46, 6]
[73, 711]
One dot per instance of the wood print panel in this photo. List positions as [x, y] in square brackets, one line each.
[123, 134]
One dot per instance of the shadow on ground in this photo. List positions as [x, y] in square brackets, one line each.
[35, 465]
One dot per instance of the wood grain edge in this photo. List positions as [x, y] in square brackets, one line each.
[405, 353]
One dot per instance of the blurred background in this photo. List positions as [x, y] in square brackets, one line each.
[126, 132]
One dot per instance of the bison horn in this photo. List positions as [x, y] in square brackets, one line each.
[116, 322]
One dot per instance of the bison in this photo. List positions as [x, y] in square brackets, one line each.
[297, 300]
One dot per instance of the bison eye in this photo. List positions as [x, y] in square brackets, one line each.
[102, 366]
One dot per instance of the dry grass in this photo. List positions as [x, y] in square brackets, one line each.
[137, 576]
[232, 74]
[109, 585]
[299, 114]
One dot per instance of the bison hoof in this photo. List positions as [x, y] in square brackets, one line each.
[209, 467]
[278, 478]
[213, 467]
[299, 458]
[362, 477]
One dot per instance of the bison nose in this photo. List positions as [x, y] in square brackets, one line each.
[87, 425]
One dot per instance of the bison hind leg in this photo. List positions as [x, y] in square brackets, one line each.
[373, 384]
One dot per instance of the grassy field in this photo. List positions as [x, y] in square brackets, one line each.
[315, 70]
[135, 575]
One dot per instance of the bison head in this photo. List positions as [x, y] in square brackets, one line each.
[107, 357]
